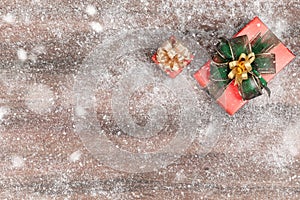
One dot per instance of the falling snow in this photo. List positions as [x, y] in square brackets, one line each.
[3, 111]
[75, 156]
[17, 161]
[86, 114]
[91, 10]
[22, 54]
[39, 98]
[8, 18]
[96, 26]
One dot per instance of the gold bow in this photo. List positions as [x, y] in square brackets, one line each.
[241, 67]
[172, 55]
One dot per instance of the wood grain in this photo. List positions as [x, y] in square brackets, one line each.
[256, 154]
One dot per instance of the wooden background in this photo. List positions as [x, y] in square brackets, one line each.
[252, 155]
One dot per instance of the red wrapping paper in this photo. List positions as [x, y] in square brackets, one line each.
[231, 101]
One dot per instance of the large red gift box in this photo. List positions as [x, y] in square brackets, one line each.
[231, 100]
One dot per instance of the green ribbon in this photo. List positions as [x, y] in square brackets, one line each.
[230, 50]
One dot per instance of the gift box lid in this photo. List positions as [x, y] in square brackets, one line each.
[231, 100]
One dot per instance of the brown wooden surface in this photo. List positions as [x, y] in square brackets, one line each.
[253, 155]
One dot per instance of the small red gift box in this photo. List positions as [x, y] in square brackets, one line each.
[231, 100]
[172, 57]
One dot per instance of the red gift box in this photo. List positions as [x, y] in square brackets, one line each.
[231, 100]
[172, 74]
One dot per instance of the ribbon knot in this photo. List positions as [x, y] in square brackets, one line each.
[243, 61]
[241, 67]
[172, 55]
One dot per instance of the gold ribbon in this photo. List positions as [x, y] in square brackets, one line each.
[172, 55]
[241, 67]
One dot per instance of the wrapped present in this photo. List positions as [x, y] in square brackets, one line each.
[172, 57]
[242, 66]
